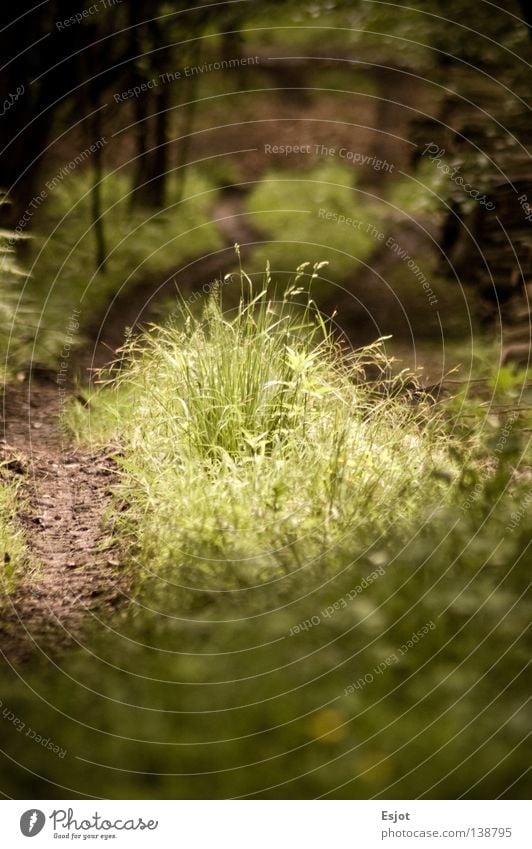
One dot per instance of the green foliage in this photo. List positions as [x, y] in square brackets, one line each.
[418, 198]
[12, 349]
[265, 478]
[345, 25]
[292, 211]
[140, 244]
[210, 692]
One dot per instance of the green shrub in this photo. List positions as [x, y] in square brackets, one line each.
[337, 600]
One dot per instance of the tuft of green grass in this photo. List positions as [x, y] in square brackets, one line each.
[63, 273]
[254, 438]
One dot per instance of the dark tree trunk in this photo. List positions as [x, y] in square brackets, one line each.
[396, 92]
[189, 114]
[141, 172]
[159, 157]
[96, 194]
[48, 65]
[152, 150]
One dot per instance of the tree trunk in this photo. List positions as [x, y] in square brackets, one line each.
[183, 148]
[96, 195]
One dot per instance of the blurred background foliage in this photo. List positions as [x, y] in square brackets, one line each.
[361, 77]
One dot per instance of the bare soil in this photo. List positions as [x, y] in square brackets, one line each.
[65, 494]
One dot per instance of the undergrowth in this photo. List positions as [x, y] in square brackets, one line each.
[321, 210]
[11, 275]
[64, 276]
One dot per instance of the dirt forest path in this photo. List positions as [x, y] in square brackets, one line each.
[66, 490]
[64, 497]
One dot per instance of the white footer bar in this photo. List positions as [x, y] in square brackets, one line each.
[266, 824]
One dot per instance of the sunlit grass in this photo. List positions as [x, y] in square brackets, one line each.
[255, 438]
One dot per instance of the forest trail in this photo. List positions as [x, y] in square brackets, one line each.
[65, 494]
[76, 571]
